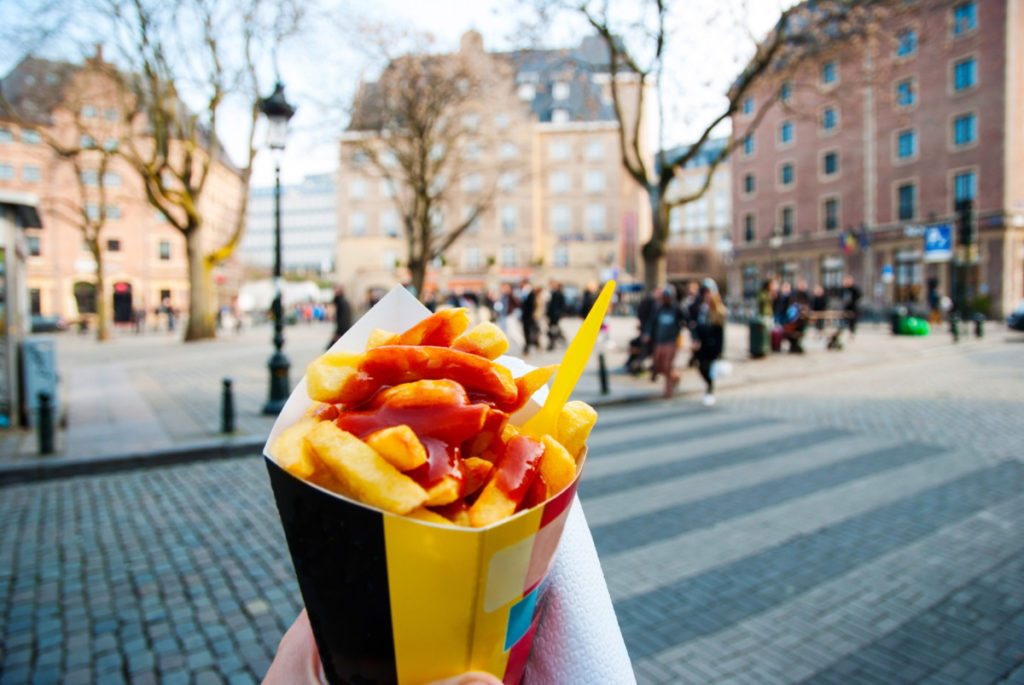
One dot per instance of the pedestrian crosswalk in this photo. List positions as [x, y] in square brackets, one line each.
[741, 548]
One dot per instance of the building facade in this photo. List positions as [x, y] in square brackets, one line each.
[869, 149]
[309, 227]
[544, 143]
[143, 256]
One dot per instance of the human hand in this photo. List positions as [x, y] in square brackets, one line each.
[297, 661]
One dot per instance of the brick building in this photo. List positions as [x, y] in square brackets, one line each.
[544, 136]
[865, 148]
[143, 256]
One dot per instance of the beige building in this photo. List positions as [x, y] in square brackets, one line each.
[867, 151]
[543, 146]
[143, 256]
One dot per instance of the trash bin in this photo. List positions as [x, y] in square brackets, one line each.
[897, 315]
[758, 338]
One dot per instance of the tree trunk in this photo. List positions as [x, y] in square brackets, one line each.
[202, 323]
[655, 266]
[102, 320]
[417, 275]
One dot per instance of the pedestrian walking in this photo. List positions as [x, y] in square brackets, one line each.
[342, 315]
[665, 325]
[819, 303]
[528, 308]
[555, 310]
[851, 304]
[709, 337]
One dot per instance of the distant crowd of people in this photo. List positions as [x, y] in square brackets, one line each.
[787, 312]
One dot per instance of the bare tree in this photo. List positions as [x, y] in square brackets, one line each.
[176, 149]
[638, 40]
[416, 127]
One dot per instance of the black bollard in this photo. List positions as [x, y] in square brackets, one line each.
[602, 371]
[979, 325]
[227, 407]
[45, 424]
[954, 326]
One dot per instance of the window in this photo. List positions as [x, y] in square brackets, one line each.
[965, 129]
[829, 72]
[110, 144]
[389, 223]
[786, 174]
[90, 177]
[92, 211]
[31, 174]
[559, 149]
[86, 142]
[964, 186]
[88, 111]
[471, 121]
[507, 150]
[388, 259]
[748, 228]
[501, 121]
[111, 180]
[508, 256]
[507, 181]
[831, 163]
[471, 258]
[748, 144]
[829, 118]
[527, 91]
[560, 91]
[748, 106]
[32, 243]
[110, 114]
[965, 73]
[357, 189]
[85, 297]
[905, 202]
[474, 225]
[786, 132]
[596, 218]
[471, 151]
[5, 135]
[907, 43]
[748, 183]
[113, 211]
[560, 219]
[906, 144]
[358, 158]
[35, 301]
[472, 183]
[787, 221]
[561, 255]
[906, 93]
[388, 158]
[594, 181]
[29, 136]
[6, 172]
[113, 245]
[357, 223]
[595, 149]
[965, 18]
[558, 181]
[165, 251]
[785, 91]
[509, 218]
[560, 116]
[831, 214]
[387, 187]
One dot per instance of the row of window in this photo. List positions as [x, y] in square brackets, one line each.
[558, 182]
[29, 173]
[27, 136]
[34, 247]
[508, 257]
[558, 150]
[965, 187]
[829, 169]
[595, 218]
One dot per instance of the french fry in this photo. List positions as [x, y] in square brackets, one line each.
[334, 375]
[378, 337]
[457, 512]
[424, 514]
[399, 446]
[527, 384]
[291, 451]
[557, 466]
[445, 491]
[321, 411]
[492, 505]
[476, 471]
[366, 474]
[484, 339]
[509, 483]
[574, 424]
[438, 392]
[437, 330]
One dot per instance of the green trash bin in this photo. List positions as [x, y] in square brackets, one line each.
[758, 338]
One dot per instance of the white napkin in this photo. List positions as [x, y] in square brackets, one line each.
[579, 640]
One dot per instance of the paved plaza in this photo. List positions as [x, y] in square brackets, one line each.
[859, 523]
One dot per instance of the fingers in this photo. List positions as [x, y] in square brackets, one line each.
[297, 660]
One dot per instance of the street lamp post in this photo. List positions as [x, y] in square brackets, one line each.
[278, 112]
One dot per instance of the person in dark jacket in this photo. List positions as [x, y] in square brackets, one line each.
[709, 333]
[851, 304]
[555, 310]
[528, 310]
[663, 329]
[819, 303]
[342, 315]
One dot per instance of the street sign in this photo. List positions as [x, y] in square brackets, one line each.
[887, 273]
[938, 243]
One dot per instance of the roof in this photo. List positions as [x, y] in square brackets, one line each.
[35, 87]
[707, 153]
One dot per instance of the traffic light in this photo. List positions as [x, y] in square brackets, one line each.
[965, 222]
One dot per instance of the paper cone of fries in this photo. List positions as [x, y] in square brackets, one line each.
[394, 599]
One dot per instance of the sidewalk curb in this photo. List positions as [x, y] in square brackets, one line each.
[63, 467]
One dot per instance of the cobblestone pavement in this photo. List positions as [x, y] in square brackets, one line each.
[864, 526]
